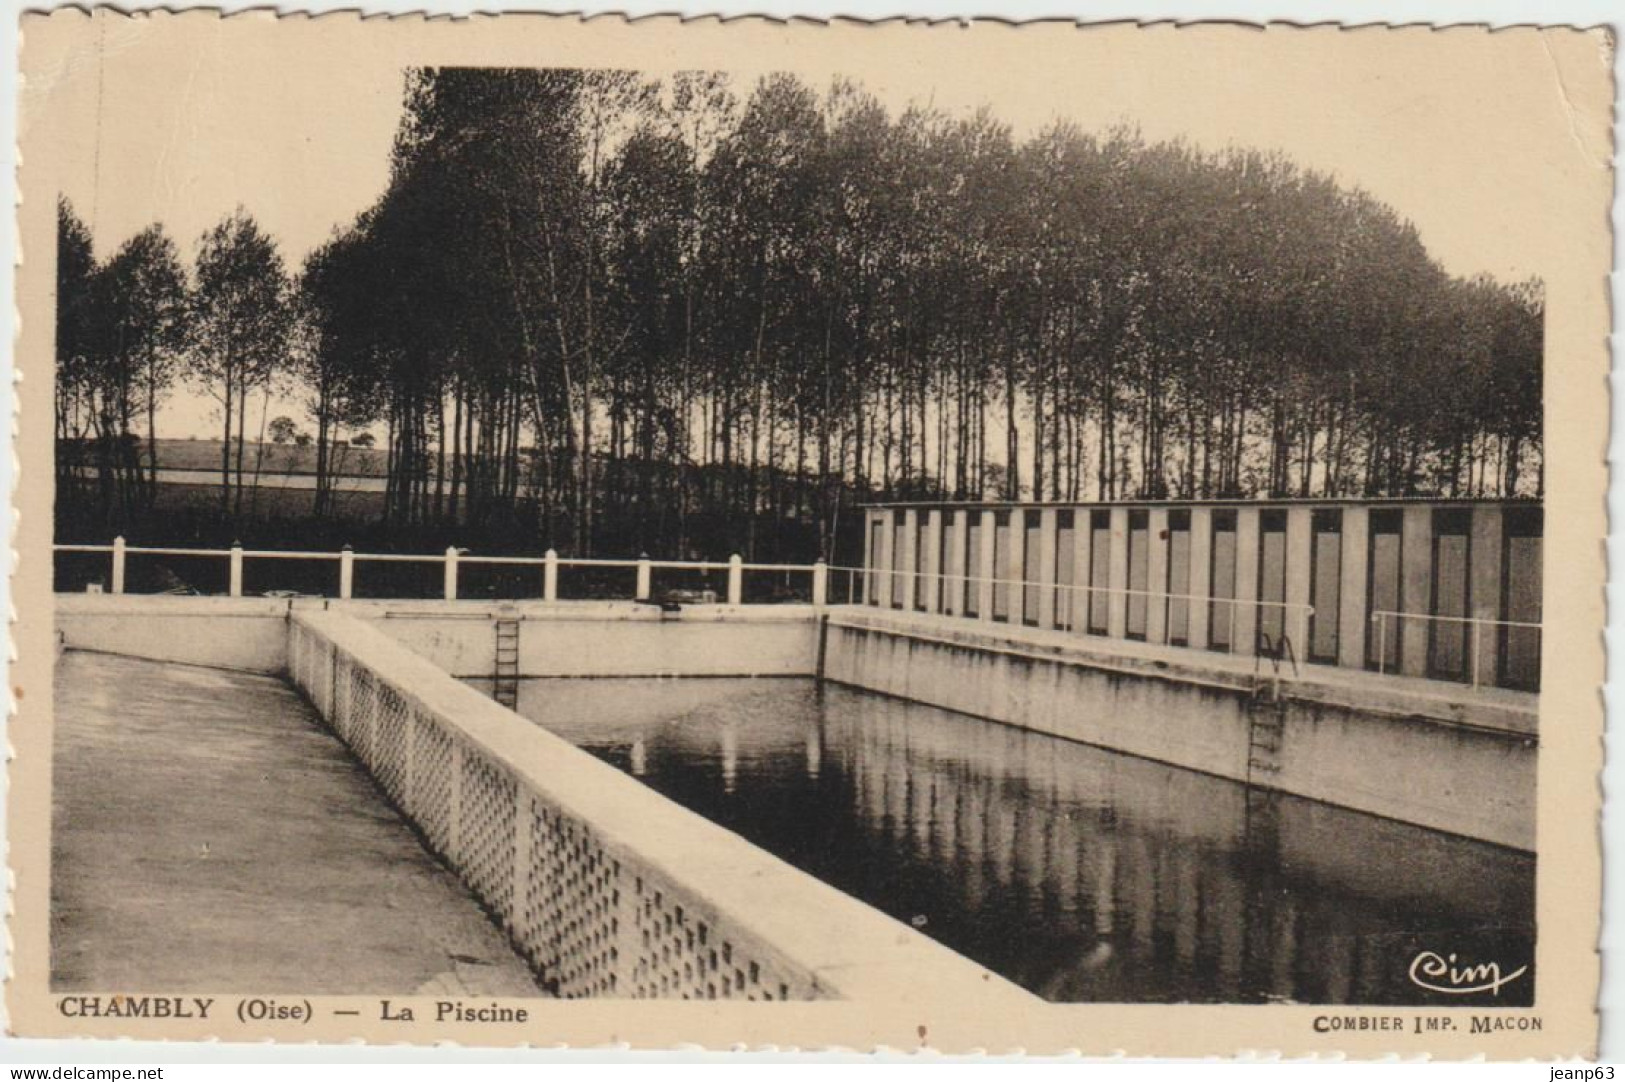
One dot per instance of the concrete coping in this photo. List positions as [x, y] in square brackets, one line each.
[171, 605]
[1493, 710]
[563, 611]
[851, 950]
[88, 604]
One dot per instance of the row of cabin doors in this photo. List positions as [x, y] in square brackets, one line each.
[1449, 644]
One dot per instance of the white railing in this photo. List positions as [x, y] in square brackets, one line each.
[1474, 637]
[1295, 615]
[454, 559]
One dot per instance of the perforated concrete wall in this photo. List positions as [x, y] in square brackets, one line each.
[608, 888]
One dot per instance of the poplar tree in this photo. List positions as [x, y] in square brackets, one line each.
[240, 321]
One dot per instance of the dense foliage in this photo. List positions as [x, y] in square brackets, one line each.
[646, 315]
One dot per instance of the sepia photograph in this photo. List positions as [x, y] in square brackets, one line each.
[720, 511]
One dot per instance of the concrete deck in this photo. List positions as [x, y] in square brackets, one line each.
[209, 836]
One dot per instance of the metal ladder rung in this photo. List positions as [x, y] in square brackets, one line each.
[506, 677]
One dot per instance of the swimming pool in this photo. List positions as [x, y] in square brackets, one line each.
[1079, 873]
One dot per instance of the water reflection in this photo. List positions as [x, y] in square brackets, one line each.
[1080, 874]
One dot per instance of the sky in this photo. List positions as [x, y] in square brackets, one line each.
[179, 119]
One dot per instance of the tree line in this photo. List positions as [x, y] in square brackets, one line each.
[626, 313]
[129, 329]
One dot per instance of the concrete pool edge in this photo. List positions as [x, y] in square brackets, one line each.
[1425, 701]
[756, 640]
[1437, 755]
[661, 880]
[1476, 781]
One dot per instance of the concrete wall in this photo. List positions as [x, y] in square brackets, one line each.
[604, 638]
[1458, 762]
[1474, 780]
[581, 638]
[229, 633]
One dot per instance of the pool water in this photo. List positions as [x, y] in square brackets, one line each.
[1079, 873]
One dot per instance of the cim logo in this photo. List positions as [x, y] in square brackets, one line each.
[1445, 975]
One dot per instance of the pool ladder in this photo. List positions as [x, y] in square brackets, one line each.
[1266, 714]
[1266, 724]
[505, 682]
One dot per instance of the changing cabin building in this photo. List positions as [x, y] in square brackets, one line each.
[1434, 588]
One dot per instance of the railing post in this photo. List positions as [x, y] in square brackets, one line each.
[550, 576]
[346, 573]
[451, 572]
[644, 576]
[820, 584]
[118, 564]
[736, 580]
[236, 587]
